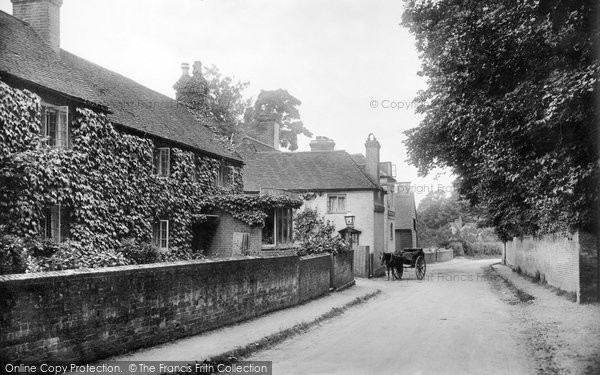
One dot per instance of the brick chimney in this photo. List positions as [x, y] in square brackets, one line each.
[43, 16]
[322, 144]
[266, 131]
[192, 90]
[372, 155]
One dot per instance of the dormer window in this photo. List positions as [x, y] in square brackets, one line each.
[162, 162]
[56, 125]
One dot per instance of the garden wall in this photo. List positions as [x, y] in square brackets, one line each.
[314, 277]
[437, 256]
[342, 265]
[567, 262]
[86, 315]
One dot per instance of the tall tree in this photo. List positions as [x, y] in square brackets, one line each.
[510, 107]
[283, 108]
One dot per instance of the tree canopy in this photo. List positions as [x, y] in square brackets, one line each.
[283, 108]
[510, 107]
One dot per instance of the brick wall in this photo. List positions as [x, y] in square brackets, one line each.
[221, 243]
[342, 265]
[567, 262]
[589, 273]
[86, 315]
[437, 256]
[314, 277]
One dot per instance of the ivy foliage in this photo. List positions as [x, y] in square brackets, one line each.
[510, 107]
[316, 234]
[106, 184]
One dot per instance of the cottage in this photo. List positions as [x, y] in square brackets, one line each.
[31, 58]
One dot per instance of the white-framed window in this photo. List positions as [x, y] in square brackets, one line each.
[162, 161]
[161, 234]
[278, 227]
[336, 203]
[55, 224]
[224, 176]
[55, 121]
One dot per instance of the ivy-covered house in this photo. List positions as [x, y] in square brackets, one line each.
[92, 158]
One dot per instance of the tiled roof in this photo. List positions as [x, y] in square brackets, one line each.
[304, 171]
[24, 55]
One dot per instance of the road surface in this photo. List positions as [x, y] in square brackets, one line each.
[453, 322]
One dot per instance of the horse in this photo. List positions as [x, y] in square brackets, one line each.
[392, 263]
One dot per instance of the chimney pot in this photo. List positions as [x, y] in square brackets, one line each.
[185, 69]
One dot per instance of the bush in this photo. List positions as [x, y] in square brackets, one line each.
[13, 255]
[316, 234]
[138, 253]
[72, 254]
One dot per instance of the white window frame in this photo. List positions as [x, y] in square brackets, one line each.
[158, 234]
[61, 136]
[337, 209]
[53, 223]
[161, 164]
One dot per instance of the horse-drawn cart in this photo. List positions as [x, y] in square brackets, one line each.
[408, 258]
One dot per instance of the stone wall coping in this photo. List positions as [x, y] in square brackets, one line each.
[100, 271]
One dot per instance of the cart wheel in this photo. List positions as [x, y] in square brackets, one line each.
[420, 267]
[397, 272]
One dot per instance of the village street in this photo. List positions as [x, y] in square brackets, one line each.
[458, 320]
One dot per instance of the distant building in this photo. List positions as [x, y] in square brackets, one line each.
[336, 184]
[406, 217]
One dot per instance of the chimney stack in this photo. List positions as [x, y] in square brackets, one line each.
[322, 144]
[267, 131]
[43, 16]
[372, 155]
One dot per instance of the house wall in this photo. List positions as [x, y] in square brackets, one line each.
[222, 242]
[360, 203]
[567, 262]
[87, 315]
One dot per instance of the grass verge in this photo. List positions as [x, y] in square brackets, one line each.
[521, 295]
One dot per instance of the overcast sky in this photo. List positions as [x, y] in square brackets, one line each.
[341, 58]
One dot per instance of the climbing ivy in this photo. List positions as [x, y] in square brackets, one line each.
[105, 182]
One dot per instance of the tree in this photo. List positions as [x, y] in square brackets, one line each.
[439, 217]
[226, 101]
[510, 107]
[282, 107]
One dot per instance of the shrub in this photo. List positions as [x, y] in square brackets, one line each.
[138, 253]
[316, 234]
[72, 254]
[13, 255]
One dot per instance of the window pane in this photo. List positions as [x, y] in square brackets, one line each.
[341, 204]
[267, 232]
[51, 126]
[331, 204]
[284, 225]
[62, 128]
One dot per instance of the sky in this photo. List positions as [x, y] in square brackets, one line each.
[350, 62]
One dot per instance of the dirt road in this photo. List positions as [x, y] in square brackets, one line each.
[452, 322]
